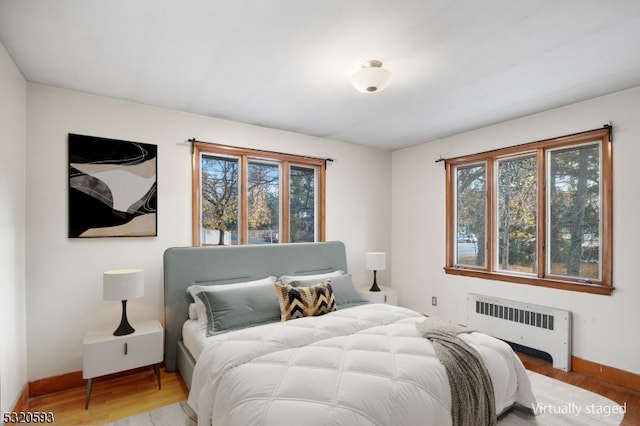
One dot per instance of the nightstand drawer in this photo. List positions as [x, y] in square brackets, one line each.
[104, 353]
[122, 354]
[386, 295]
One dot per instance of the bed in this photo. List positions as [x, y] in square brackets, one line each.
[358, 363]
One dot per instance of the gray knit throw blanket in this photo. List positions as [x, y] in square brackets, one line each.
[472, 398]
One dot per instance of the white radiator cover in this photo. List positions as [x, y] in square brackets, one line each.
[539, 327]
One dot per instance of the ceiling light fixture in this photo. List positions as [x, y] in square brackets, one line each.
[371, 78]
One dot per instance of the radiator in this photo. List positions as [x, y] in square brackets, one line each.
[538, 327]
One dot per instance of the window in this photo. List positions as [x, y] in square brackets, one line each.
[538, 213]
[243, 196]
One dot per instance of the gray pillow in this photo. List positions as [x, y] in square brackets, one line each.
[344, 290]
[239, 307]
[201, 310]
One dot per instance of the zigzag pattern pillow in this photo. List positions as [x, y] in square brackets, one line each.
[298, 302]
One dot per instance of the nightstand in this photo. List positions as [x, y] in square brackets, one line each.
[386, 295]
[103, 353]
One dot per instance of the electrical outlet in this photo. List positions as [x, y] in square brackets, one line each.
[434, 301]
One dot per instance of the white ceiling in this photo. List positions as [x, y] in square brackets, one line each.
[457, 65]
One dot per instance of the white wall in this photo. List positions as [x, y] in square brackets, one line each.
[64, 276]
[602, 324]
[13, 349]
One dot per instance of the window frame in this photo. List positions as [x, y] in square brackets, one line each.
[540, 278]
[245, 155]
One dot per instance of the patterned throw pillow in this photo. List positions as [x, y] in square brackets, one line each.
[298, 302]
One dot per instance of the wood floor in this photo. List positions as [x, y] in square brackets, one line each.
[122, 396]
[112, 398]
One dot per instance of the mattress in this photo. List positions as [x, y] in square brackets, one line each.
[194, 338]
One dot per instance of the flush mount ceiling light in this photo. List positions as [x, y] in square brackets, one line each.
[371, 78]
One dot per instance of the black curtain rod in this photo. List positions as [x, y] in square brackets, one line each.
[606, 126]
[194, 140]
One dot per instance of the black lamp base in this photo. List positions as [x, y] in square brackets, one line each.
[374, 287]
[124, 328]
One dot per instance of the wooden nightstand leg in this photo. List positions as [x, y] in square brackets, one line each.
[157, 369]
[86, 398]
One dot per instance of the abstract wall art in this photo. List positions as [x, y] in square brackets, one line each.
[112, 188]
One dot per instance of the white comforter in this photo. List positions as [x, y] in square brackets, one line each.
[366, 365]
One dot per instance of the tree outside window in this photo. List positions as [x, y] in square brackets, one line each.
[538, 213]
[471, 207]
[243, 196]
[517, 214]
[575, 207]
[303, 201]
[220, 206]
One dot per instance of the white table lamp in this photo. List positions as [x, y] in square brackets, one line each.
[375, 261]
[123, 284]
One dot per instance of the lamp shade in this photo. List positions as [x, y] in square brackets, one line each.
[375, 261]
[371, 77]
[123, 284]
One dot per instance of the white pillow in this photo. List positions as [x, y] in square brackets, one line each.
[288, 279]
[201, 310]
[193, 313]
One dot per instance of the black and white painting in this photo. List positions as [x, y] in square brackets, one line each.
[112, 188]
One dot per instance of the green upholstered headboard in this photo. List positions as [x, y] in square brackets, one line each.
[184, 266]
